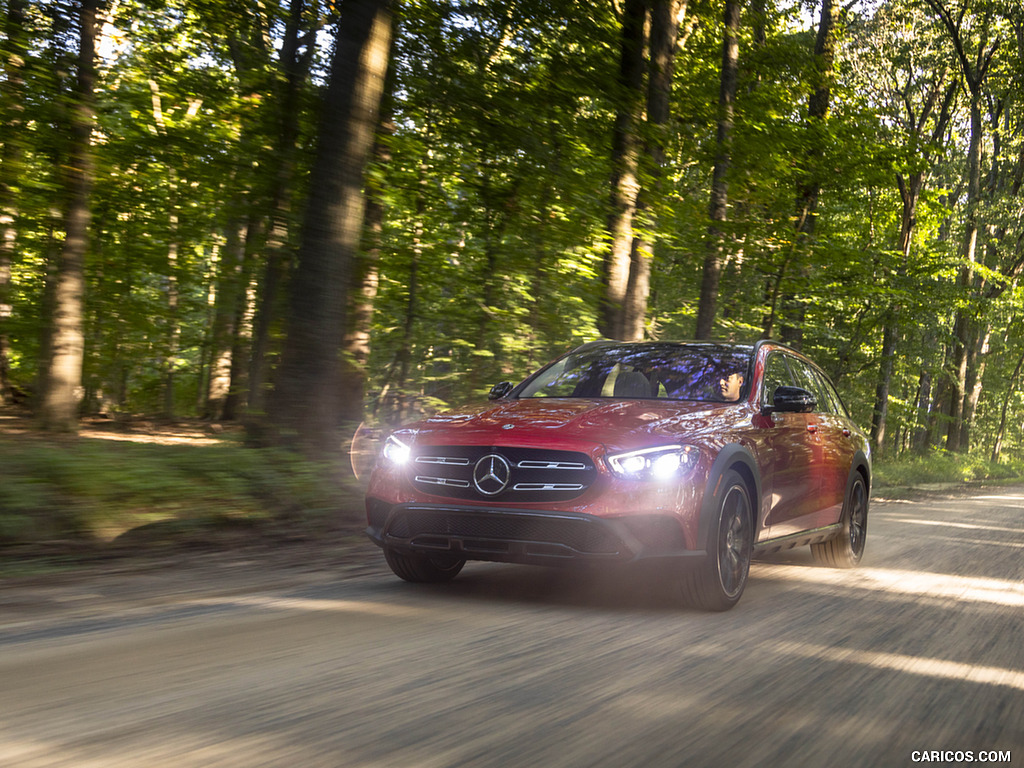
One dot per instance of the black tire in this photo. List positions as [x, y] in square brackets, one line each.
[718, 582]
[846, 548]
[423, 569]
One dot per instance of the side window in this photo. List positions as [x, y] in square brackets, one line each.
[826, 400]
[807, 378]
[833, 397]
[776, 374]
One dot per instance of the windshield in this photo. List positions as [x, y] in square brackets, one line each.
[703, 372]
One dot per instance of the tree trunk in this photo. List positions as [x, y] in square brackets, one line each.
[366, 277]
[403, 362]
[666, 18]
[975, 69]
[10, 172]
[881, 410]
[295, 67]
[305, 404]
[59, 406]
[714, 259]
[809, 189]
[625, 182]
[976, 360]
[997, 447]
[910, 194]
[230, 284]
[936, 425]
[919, 437]
[242, 310]
[962, 325]
[173, 339]
[356, 348]
[393, 404]
[638, 286]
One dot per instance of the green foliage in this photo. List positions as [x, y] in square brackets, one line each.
[497, 188]
[496, 192]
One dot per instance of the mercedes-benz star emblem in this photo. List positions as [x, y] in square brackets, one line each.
[491, 474]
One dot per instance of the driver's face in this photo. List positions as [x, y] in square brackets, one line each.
[730, 386]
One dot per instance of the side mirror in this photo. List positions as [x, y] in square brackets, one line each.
[500, 390]
[792, 400]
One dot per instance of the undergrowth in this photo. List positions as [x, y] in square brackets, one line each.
[96, 490]
[943, 468]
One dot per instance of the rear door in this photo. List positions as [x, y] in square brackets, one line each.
[833, 448]
[839, 448]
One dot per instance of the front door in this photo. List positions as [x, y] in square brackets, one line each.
[796, 451]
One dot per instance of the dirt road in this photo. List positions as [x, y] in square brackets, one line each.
[915, 657]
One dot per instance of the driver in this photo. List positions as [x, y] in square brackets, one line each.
[730, 386]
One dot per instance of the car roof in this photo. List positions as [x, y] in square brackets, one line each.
[709, 344]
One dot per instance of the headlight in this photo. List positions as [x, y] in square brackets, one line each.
[395, 452]
[662, 463]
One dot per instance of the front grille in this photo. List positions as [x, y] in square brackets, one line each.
[524, 474]
[428, 525]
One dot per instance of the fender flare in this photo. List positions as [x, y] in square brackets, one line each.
[860, 462]
[860, 459]
[732, 455]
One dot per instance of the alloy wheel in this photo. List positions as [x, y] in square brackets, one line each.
[734, 541]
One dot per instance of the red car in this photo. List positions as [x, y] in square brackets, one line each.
[697, 454]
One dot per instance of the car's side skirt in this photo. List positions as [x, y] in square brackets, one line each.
[801, 539]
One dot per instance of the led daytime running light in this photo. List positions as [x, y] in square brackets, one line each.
[661, 463]
[395, 451]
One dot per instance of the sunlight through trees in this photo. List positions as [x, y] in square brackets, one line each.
[540, 172]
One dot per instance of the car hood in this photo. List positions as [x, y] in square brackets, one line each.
[619, 423]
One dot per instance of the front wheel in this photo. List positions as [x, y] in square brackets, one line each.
[423, 569]
[718, 582]
[846, 548]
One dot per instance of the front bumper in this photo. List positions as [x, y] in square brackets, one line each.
[527, 536]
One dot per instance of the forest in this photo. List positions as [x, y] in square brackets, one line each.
[303, 215]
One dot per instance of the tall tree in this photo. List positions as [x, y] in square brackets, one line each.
[59, 407]
[12, 111]
[666, 17]
[272, 72]
[974, 56]
[638, 158]
[810, 184]
[294, 60]
[912, 87]
[625, 183]
[719, 206]
[305, 405]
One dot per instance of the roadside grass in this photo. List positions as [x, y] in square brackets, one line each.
[79, 491]
[941, 469]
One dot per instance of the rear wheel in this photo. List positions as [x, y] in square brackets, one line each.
[421, 569]
[846, 548]
[718, 582]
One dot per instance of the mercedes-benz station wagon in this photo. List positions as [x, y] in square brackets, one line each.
[697, 454]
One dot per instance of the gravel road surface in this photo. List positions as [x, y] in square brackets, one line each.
[915, 658]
